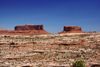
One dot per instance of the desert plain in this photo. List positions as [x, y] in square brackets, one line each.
[49, 50]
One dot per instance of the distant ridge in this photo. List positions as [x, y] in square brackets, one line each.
[3, 31]
[2, 28]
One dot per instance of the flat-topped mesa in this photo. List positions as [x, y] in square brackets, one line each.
[29, 27]
[72, 29]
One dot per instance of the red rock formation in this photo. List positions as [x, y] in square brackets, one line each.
[72, 29]
[26, 29]
[29, 27]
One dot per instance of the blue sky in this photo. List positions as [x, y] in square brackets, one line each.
[53, 14]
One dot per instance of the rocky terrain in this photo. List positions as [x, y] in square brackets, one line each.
[49, 50]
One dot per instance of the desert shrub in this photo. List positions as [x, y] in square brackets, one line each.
[83, 35]
[78, 55]
[79, 64]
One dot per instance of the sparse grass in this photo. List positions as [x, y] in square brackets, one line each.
[51, 54]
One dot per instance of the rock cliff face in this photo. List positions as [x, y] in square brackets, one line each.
[29, 27]
[72, 29]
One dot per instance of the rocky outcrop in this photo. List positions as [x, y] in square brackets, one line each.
[25, 29]
[72, 29]
[29, 27]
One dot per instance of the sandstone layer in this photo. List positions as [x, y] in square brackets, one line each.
[72, 29]
[29, 27]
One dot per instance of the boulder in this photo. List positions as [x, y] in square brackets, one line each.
[72, 29]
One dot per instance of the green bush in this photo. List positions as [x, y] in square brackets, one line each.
[79, 64]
